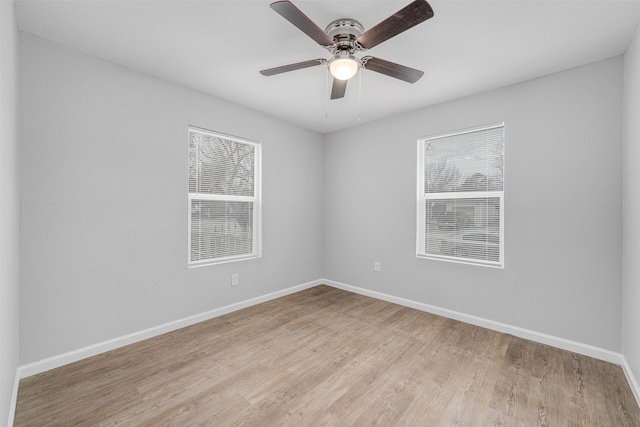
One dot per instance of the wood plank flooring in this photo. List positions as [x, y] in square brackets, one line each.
[326, 357]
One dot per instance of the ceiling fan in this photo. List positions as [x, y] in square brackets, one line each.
[344, 37]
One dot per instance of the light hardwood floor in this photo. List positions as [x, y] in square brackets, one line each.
[326, 357]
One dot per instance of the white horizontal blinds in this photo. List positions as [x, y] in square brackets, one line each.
[470, 161]
[222, 197]
[220, 166]
[220, 229]
[471, 230]
[463, 196]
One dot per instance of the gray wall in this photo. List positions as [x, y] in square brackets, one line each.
[103, 173]
[9, 207]
[631, 211]
[104, 202]
[563, 186]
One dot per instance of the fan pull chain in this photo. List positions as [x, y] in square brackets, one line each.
[326, 92]
[360, 95]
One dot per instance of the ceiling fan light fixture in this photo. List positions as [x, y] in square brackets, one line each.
[344, 67]
[345, 37]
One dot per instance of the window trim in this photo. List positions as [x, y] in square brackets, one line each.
[256, 199]
[422, 197]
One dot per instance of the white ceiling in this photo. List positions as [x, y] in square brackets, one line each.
[218, 47]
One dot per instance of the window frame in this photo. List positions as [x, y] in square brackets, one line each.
[256, 199]
[423, 197]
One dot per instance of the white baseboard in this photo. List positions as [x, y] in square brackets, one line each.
[14, 399]
[631, 379]
[95, 349]
[576, 347]
[83, 353]
[573, 346]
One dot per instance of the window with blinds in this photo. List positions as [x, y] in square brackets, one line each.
[461, 196]
[224, 198]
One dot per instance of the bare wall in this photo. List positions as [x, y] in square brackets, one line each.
[563, 221]
[104, 202]
[631, 210]
[9, 209]
[103, 172]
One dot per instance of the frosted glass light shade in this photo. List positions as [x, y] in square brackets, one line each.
[343, 68]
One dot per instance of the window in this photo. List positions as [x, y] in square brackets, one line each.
[224, 198]
[461, 196]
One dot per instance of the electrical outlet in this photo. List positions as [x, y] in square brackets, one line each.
[376, 267]
[234, 279]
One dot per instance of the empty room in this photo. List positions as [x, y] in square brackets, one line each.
[320, 213]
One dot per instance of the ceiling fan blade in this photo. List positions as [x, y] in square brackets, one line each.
[288, 11]
[410, 75]
[411, 15]
[292, 67]
[338, 89]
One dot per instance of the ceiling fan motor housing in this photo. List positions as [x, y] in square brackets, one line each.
[344, 33]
